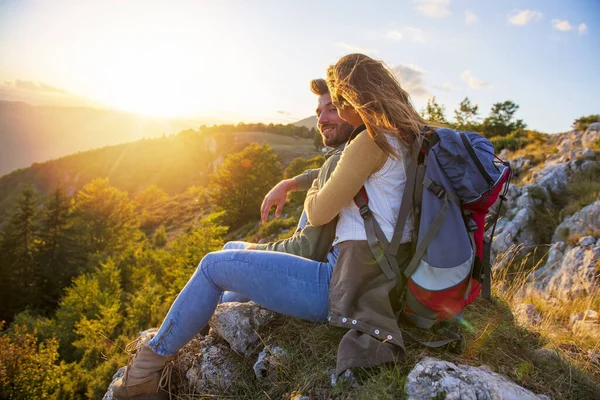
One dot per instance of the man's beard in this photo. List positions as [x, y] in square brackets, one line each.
[343, 131]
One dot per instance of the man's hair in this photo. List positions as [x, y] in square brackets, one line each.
[319, 87]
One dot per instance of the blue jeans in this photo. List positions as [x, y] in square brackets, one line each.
[280, 282]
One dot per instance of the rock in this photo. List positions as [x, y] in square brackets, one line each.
[527, 314]
[594, 357]
[185, 361]
[347, 378]
[586, 328]
[545, 356]
[591, 135]
[574, 318]
[432, 378]
[590, 315]
[582, 223]
[108, 395]
[504, 154]
[553, 177]
[587, 241]
[575, 275]
[214, 367]
[270, 360]
[238, 323]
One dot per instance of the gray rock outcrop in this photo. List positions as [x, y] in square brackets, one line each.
[432, 378]
[238, 323]
[270, 362]
[572, 269]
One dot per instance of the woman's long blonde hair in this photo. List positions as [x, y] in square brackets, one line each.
[371, 88]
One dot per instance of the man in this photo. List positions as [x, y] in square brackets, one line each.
[309, 241]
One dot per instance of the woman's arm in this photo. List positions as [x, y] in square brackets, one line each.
[360, 159]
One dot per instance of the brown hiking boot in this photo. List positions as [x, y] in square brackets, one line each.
[148, 374]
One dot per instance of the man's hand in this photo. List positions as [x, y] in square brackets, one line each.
[277, 196]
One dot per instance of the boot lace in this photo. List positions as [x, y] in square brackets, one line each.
[131, 349]
[164, 382]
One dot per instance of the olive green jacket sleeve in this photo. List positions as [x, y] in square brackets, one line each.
[312, 242]
[304, 180]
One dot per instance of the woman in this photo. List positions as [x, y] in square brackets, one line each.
[367, 93]
[368, 96]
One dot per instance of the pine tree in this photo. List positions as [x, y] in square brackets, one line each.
[58, 260]
[434, 112]
[466, 115]
[18, 241]
[104, 218]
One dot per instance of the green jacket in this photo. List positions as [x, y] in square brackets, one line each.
[312, 242]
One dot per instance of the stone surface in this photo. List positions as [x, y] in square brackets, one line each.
[585, 222]
[575, 274]
[213, 368]
[591, 135]
[591, 315]
[586, 328]
[347, 378]
[238, 323]
[527, 314]
[270, 361]
[109, 395]
[432, 378]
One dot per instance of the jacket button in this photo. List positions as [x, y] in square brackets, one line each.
[353, 322]
[344, 320]
[377, 331]
[389, 337]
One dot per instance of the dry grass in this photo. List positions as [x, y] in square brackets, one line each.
[492, 337]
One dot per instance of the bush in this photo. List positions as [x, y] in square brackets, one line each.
[582, 123]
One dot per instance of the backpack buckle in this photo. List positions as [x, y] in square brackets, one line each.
[364, 211]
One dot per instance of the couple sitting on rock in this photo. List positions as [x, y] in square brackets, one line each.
[326, 269]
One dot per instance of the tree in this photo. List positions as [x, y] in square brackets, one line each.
[105, 218]
[28, 369]
[58, 259]
[18, 242]
[317, 140]
[466, 115]
[434, 112]
[241, 181]
[296, 167]
[500, 121]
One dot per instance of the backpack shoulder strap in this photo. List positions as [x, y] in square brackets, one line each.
[375, 237]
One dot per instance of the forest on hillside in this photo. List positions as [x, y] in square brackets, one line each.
[95, 247]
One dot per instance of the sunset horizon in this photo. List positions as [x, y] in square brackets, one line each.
[239, 64]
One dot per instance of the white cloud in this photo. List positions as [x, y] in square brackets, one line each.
[415, 34]
[561, 25]
[472, 81]
[434, 8]
[582, 28]
[523, 17]
[446, 87]
[411, 78]
[408, 32]
[470, 17]
[394, 35]
[355, 49]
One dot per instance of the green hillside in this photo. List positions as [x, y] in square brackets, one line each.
[172, 163]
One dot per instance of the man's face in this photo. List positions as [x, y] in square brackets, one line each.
[335, 131]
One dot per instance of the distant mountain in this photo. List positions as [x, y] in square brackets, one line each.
[173, 163]
[310, 122]
[31, 133]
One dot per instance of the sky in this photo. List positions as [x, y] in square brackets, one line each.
[253, 60]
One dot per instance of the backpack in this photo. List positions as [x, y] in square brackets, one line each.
[451, 185]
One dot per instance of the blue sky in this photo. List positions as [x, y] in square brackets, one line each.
[252, 61]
